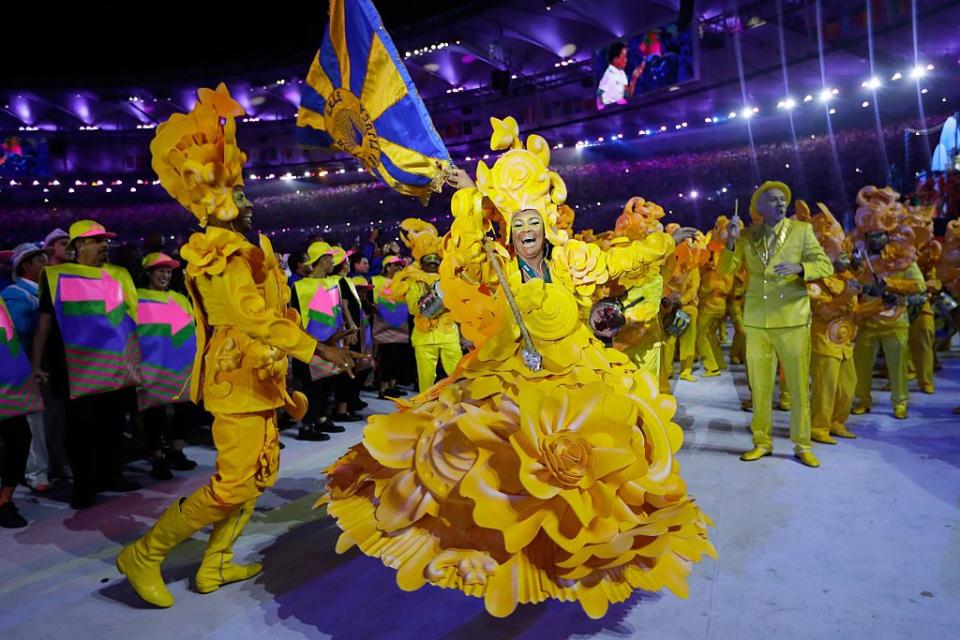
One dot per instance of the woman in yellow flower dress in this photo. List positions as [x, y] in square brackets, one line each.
[543, 467]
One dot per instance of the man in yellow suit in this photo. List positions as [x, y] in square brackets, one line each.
[834, 299]
[682, 276]
[780, 255]
[245, 333]
[435, 336]
[715, 286]
[890, 276]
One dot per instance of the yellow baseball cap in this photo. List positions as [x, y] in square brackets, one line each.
[159, 259]
[89, 229]
[316, 251]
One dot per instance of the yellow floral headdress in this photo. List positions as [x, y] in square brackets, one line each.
[521, 179]
[877, 210]
[197, 159]
[639, 218]
[829, 232]
[421, 238]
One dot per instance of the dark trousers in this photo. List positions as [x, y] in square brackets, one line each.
[160, 428]
[94, 438]
[15, 433]
[317, 392]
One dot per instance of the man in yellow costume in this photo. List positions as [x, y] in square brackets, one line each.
[642, 337]
[435, 336]
[715, 286]
[889, 275]
[738, 350]
[245, 333]
[780, 255]
[922, 322]
[834, 300]
[681, 290]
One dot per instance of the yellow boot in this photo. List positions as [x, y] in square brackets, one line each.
[860, 409]
[687, 375]
[900, 411]
[707, 373]
[217, 568]
[140, 561]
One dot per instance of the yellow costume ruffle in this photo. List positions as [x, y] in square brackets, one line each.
[518, 486]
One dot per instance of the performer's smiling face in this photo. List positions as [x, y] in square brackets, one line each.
[244, 221]
[160, 278]
[772, 205]
[526, 229]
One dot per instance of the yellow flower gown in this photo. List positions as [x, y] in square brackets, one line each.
[517, 486]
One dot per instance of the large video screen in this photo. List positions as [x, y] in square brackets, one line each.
[24, 157]
[654, 60]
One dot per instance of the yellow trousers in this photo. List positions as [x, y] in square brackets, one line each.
[738, 351]
[922, 331]
[894, 341]
[248, 459]
[708, 341]
[792, 346]
[688, 348]
[833, 380]
[428, 355]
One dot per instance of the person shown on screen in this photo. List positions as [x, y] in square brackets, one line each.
[614, 88]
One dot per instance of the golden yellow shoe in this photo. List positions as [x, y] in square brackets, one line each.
[736, 361]
[784, 406]
[822, 438]
[710, 374]
[842, 432]
[929, 389]
[912, 376]
[807, 458]
[755, 454]
[860, 409]
[688, 376]
[900, 412]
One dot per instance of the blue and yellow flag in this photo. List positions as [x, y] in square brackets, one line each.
[359, 98]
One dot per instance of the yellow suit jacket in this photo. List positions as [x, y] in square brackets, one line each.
[772, 301]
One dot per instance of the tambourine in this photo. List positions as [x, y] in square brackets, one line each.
[677, 323]
[431, 304]
[606, 318]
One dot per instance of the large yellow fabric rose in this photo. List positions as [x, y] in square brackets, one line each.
[207, 253]
[579, 267]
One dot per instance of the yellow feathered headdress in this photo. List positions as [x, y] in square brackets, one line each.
[421, 238]
[196, 156]
[521, 179]
[639, 218]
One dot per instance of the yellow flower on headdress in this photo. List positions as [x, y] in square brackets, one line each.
[197, 159]
[521, 179]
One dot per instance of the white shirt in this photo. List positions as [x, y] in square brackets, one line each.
[612, 85]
